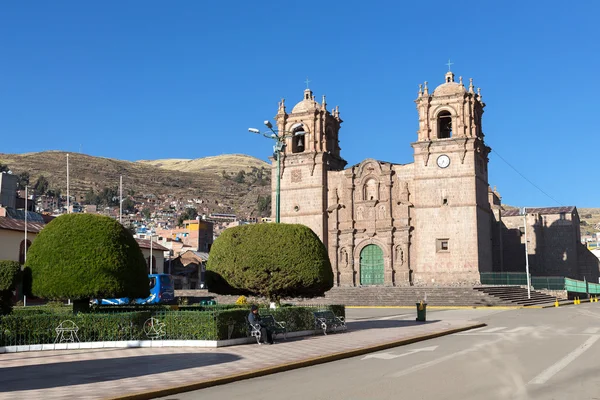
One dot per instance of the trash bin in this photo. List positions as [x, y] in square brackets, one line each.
[421, 311]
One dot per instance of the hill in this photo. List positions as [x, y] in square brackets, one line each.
[230, 163]
[220, 193]
[590, 220]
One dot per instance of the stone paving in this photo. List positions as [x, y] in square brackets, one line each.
[114, 373]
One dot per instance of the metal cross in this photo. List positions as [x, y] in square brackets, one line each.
[449, 64]
[307, 82]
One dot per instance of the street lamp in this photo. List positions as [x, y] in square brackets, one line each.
[277, 149]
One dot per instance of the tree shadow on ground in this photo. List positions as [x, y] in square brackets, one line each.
[390, 323]
[45, 376]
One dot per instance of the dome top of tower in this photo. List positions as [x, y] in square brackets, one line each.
[449, 87]
[307, 104]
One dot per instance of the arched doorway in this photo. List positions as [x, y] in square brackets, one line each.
[371, 265]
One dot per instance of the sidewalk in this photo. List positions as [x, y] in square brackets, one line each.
[144, 373]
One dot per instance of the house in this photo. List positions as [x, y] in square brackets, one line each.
[155, 252]
[12, 234]
[188, 269]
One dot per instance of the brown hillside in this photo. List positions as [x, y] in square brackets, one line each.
[87, 172]
[230, 163]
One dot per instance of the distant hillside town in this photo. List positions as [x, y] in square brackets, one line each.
[175, 233]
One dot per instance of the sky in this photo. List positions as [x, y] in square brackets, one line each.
[148, 79]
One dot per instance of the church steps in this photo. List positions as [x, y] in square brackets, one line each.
[407, 296]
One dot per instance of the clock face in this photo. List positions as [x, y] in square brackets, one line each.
[443, 161]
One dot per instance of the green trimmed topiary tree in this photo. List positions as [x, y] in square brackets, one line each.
[10, 272]
[270, 260]
[83, 256]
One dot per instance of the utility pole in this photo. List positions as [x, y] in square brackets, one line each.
[68, 199]
[121, 199]
[25, 244]
[526, 254]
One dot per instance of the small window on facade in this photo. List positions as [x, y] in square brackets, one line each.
[443, 245]
[444, 121]
[563, 215]
[445, 201]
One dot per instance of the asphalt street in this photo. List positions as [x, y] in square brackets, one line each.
[521, 354]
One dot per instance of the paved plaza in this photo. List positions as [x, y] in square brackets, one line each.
[148, 373]
[526, 354]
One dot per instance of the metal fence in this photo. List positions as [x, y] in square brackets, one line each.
[548, 282]
[503, 278]
[572, 285]
[47, 325]
[593, 288]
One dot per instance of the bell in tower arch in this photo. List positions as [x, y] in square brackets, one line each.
[300, 143]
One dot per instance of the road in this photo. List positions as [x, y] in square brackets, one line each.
[522, 354]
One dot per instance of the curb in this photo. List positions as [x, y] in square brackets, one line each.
[566, 303]
[290, 366]
[453, 307]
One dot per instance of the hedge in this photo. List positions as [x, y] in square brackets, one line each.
[269, 260]
[82, 256]
[10, 272]
[38, 325]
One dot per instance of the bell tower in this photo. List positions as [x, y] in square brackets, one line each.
[452, 213]
[305, 161]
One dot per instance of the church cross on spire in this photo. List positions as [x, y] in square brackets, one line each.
[449, 64]
[307, 82]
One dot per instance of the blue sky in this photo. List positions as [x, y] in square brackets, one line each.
[147, 79]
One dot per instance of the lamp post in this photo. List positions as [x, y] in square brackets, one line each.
[279, 137]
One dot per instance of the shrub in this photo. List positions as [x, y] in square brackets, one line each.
[82, 256]
[269, 260]
[241, 301]
[10, 272]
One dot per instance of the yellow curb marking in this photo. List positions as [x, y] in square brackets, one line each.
[290, 366]
[454, 307]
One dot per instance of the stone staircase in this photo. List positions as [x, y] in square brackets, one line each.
[518, 295]
[406, 296]
[485, 296]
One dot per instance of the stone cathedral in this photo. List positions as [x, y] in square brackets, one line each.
[430, 222]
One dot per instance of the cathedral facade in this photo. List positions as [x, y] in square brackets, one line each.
[431, 222]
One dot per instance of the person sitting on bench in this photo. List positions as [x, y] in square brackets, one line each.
[254, 319]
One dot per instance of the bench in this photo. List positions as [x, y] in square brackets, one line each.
[269, 322]
[274, 326]
[327, 320]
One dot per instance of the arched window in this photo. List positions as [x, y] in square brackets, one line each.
[370, 190]
[22, 251]
[298, 141]
[444, 122]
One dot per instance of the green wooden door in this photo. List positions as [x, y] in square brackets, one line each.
[371, 265]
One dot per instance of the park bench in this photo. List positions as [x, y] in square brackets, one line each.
[327, 320]
[270, 323]
[276, 327]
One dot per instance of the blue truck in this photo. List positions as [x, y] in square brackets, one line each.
[161, 292]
